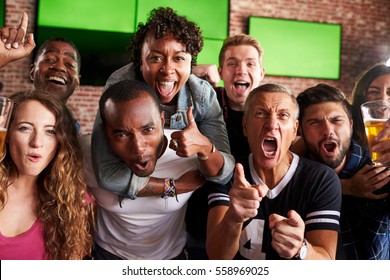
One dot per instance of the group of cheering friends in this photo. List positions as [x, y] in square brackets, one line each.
[179, 168]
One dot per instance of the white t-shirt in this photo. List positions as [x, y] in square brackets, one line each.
[147, 227]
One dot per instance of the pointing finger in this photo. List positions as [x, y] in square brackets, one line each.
[293, 218]
[21, 31]
[24, 22]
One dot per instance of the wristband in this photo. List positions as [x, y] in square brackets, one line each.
[169, 189]
[204, 158]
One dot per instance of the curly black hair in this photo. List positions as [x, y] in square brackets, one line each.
[163, 21]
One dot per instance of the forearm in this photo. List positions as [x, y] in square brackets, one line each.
[226, 173]
[154, 187]
[321, 244]
[186, 183]
[345, 185]
[318, 253]
[212, 163]
[223, 239]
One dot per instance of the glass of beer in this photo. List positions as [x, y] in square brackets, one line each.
[5, 115]
[375, 114]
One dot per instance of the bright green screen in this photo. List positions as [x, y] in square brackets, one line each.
[210, 52]
[112, 15]
[298, 48]
[2, 13]
[212, 16]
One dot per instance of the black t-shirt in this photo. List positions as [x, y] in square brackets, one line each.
[239, 146]
[313, 191]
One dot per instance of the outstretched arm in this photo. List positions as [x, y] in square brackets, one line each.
[224, 223]
[15, 43]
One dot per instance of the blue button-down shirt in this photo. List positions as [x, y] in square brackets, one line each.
[365, 225]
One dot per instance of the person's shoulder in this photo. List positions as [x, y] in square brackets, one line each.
[315, 175]
[85, 140]
[310, 166]
[360, 152]
[85, 143]
[197, 84]
[124, 73]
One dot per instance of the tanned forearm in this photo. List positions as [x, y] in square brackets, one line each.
[213, 165]
[222, 238]
[154, 187]
[188, 182]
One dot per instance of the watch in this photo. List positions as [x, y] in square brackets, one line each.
[301, 255]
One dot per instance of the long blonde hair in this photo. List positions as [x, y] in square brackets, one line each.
[62, 193]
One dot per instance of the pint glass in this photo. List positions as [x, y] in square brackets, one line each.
[375, 114]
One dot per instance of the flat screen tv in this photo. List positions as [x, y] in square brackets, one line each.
[102, 29]
[298, 48]
[211, 16]
[2, 13]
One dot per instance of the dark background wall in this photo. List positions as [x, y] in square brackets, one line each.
[365, 40]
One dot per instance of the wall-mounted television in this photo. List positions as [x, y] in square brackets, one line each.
[2, 13]
[102, 29]
[298, 48]
[211, 16]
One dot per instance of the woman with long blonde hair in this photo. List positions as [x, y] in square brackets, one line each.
[45, 210]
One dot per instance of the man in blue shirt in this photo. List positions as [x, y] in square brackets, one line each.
[326, 128]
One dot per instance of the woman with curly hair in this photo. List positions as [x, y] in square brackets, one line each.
[45, 211]
[163, 51]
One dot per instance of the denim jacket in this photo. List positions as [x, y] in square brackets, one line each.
[113, 174]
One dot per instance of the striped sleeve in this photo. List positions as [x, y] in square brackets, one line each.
[218, 196]
[325, 219]
[324, 210]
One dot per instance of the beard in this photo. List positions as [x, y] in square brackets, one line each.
[331, 161]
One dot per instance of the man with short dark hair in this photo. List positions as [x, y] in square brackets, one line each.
[326, 127]
[56, 68]
[149, 227]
